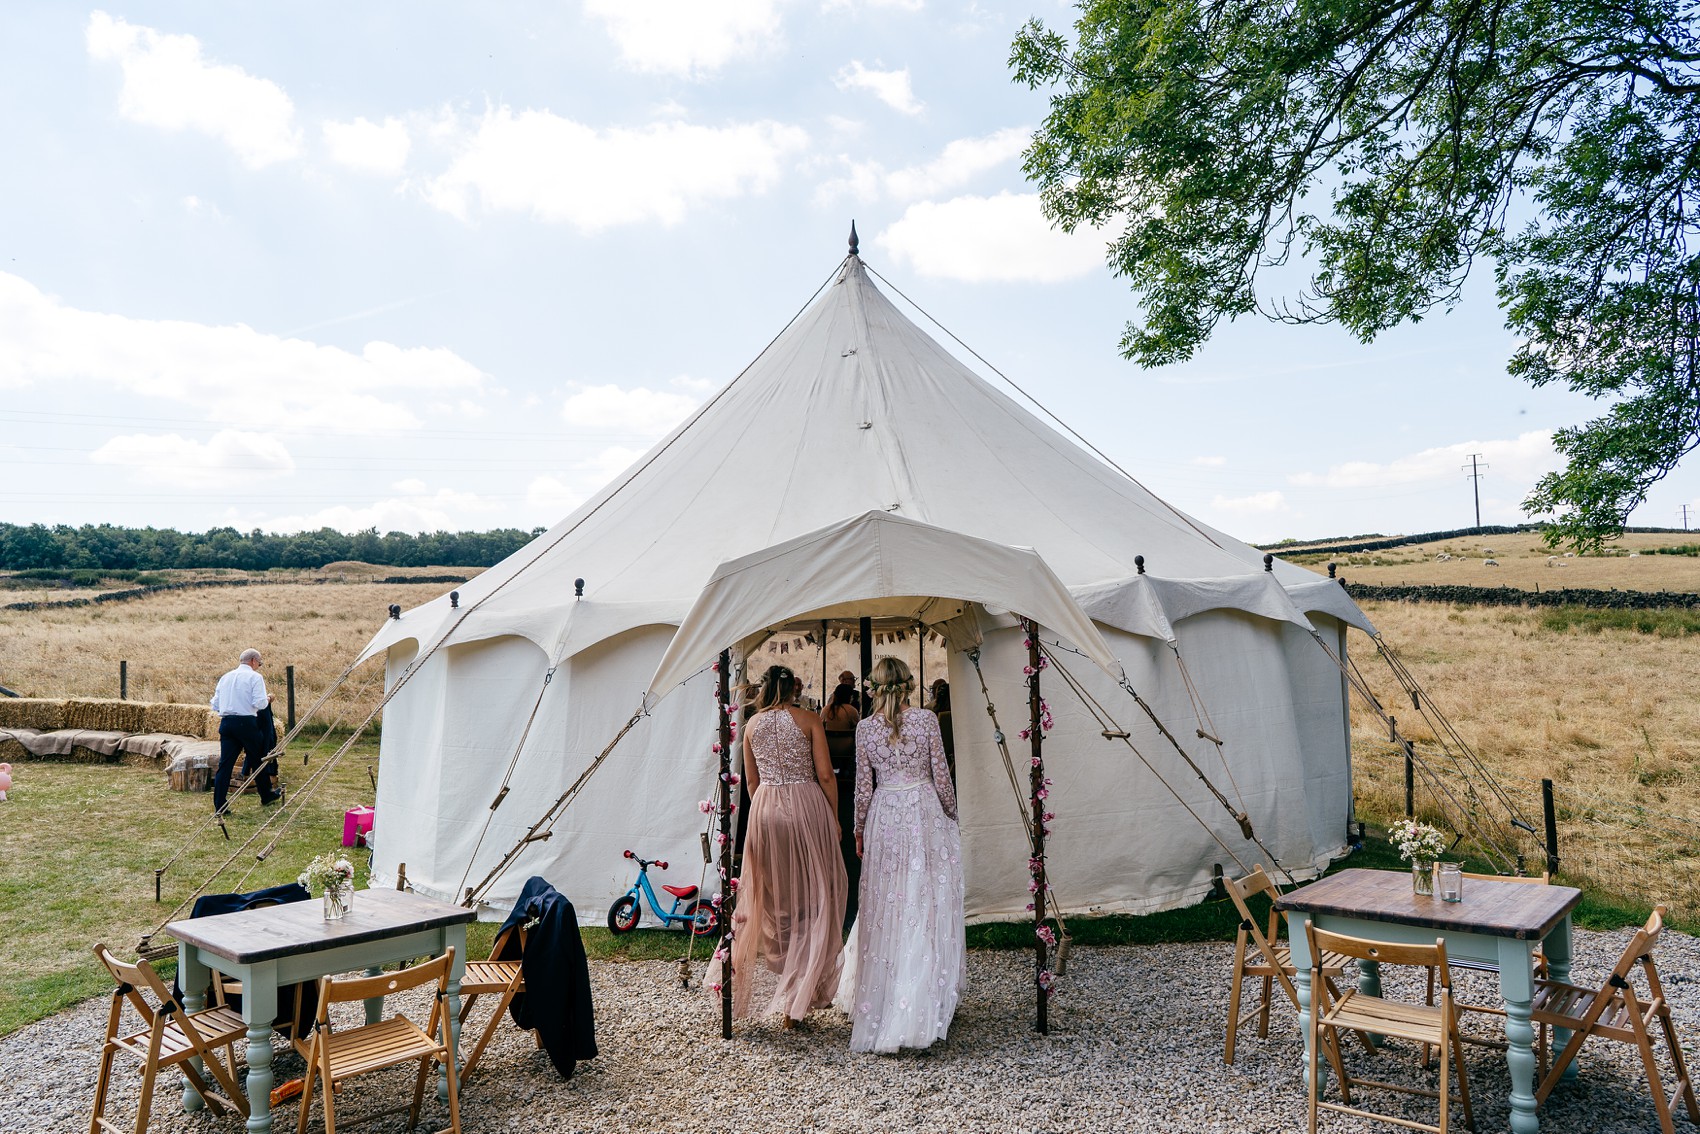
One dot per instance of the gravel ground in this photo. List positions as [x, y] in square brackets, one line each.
[1135, 1043]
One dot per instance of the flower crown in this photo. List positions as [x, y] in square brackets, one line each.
[877, 688]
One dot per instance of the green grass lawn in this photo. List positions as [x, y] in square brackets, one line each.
[80, 844]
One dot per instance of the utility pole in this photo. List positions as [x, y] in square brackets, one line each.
[1473, 470]
[1685, 517]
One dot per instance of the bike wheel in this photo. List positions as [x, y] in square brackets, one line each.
[705, 919]
[623, 915]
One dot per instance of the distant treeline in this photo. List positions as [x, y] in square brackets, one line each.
[106, 547]
[1382, 543]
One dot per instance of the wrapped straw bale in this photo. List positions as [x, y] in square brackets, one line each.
[40, 713]
[178, 720]
[105, 716]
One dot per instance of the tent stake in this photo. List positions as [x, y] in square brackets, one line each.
[1036, 734]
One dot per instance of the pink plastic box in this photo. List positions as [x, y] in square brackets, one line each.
[356, 821]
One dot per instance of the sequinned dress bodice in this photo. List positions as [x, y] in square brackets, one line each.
[781, 748]
[915, 757]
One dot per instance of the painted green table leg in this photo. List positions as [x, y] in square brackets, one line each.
[193, 978]
[1516, 986]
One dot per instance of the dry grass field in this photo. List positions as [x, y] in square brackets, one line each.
[1610, 713]
[178, 642]
[1523, 561]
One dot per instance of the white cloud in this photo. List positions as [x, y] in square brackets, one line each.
[639, 410]
[229, 456]
[959, 163]
[168, 84]
[562, 171]
[230, 372]
[688, 37]
[554, 496]
[1258, 503]
[1210, 462]
[890, 87]
[412, 486]
[368, 146]
[984, 239]
[446, 510]
[1519, 460]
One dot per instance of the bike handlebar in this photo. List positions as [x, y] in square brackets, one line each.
[646, 862]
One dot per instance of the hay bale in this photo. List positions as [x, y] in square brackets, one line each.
[12, 751]
[41, 713]
[179, 720]
[105, 716]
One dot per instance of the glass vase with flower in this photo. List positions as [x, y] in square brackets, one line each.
[331, 875]
[1420, 845]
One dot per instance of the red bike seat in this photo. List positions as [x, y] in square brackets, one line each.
[681, 891]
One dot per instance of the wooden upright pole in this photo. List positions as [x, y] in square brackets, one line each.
[728, 896]
[1036, 784]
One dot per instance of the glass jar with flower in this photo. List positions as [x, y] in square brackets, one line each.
[1420, 845]
[333, 876]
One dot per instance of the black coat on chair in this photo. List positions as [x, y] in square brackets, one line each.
[294, 1011]
[556, 1000]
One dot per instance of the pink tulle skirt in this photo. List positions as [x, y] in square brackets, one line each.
[788, 925]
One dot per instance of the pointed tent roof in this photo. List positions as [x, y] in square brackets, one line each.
[852, 409]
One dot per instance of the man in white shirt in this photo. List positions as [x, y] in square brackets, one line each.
[240, 696]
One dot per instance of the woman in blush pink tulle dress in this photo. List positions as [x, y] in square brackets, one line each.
[910, 952]
[792, 888]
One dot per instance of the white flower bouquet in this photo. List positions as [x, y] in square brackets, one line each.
[1417, 842]
[330, 871]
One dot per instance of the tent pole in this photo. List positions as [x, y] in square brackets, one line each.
[1036, 781]
[865, 631]
[921, 663]
[823, 685]
[728, 897]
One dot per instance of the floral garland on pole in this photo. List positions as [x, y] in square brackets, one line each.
[1039, 723]
[726, 901]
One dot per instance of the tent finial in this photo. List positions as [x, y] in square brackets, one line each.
[854, 242]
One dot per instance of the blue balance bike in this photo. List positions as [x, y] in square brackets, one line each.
[624, 914]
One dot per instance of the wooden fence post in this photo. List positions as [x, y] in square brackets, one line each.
[123, 681]
[1551, 815]
[289, 684]
[1410, 782]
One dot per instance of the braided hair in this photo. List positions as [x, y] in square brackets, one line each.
[891, 683]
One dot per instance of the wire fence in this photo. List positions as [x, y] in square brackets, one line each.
[1615, 844]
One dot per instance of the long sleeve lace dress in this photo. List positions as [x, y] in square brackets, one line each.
[910, 950]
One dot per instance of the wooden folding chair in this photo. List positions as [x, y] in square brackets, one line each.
[501, 976]
[337, 1056]
[1615, 1011]
[1435, 1025]
[1260, 954]
[172, 1038]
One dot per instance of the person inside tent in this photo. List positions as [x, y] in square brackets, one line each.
[840, 718]
[939, 703]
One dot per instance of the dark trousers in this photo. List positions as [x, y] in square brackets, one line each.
[239, 734]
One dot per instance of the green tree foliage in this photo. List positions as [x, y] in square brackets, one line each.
[1385, 145]
[150, 549]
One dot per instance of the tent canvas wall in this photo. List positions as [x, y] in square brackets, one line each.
[854, 410]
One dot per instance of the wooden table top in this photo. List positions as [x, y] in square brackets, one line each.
[250, 936]
[1500, 909]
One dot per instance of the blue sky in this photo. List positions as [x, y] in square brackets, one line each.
[435, 266]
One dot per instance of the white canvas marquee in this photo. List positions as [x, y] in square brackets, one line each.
[857, 468]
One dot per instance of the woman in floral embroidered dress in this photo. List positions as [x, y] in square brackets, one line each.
[910, 950]
[792, 887]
